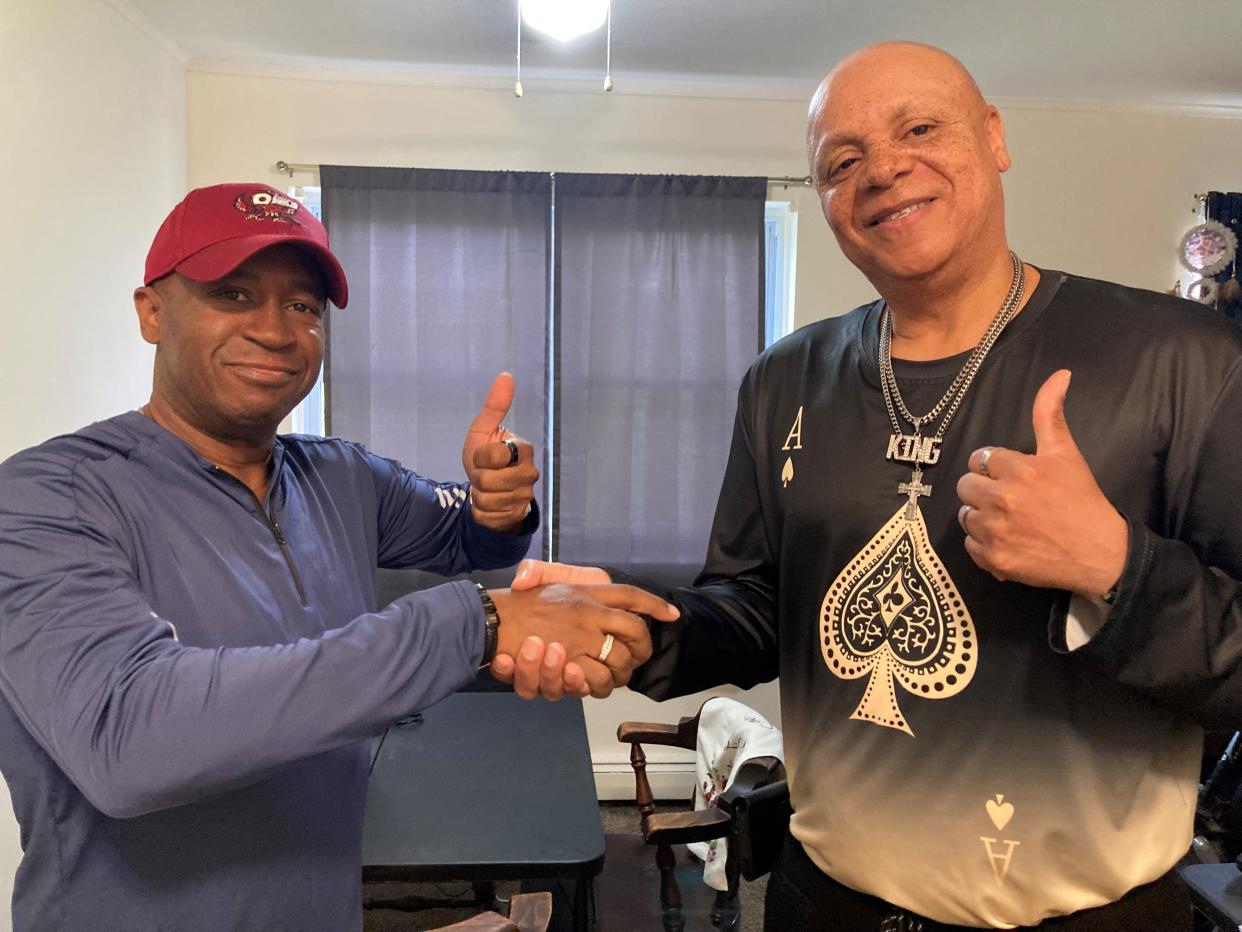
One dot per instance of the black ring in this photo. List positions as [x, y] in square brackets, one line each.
[513, 453]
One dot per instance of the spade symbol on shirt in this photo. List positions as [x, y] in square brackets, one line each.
[999, 811]
[787, 472]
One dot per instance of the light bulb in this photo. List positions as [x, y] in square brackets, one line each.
[564, 19]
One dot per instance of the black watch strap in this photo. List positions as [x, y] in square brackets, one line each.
[491, 632]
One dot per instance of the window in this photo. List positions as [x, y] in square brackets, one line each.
[780, 226]
[780, 268]
[308, 417]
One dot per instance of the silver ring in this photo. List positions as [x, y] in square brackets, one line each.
[604, 651]
[983, 460]
[961, 517]
[513, 452]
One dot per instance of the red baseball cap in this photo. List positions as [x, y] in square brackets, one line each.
[214, 230]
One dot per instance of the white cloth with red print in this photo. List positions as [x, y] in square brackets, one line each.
[729, 735]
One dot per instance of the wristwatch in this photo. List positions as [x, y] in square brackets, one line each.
[491, 631]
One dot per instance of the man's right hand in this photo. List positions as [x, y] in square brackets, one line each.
[553, 623]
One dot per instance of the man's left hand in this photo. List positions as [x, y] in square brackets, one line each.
[1041, 519]
[502, 484]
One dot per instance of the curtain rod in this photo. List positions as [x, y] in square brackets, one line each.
[288, 168]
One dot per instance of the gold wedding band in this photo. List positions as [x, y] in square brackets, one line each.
[513, 452]
[983, 460]
[606, 649]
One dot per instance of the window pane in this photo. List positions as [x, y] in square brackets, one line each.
[448, 285]
[660, 314]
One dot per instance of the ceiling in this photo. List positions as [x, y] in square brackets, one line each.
[1132, 52]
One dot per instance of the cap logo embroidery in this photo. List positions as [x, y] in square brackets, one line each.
[264, 205]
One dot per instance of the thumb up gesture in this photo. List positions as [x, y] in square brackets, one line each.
[1041, 519]
[499, 464]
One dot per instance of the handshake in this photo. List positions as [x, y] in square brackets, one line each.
[568, 630]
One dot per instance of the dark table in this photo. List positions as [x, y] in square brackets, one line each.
[486, 787]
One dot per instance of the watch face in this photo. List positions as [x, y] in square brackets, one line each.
[1208, 248]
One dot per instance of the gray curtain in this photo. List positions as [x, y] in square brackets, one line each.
[448, 280]
[660, 311]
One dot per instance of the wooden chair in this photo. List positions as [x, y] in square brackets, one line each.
[752, 813]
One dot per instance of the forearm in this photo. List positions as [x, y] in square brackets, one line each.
[488, 549]
[140, 722]
[415, 531]
[726, 634]
[1174, 632]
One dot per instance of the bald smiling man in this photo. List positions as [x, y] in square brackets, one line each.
[1001, 609]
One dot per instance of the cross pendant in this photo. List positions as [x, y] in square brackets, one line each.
[913, 489]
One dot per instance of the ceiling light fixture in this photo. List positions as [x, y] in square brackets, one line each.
[565, 19]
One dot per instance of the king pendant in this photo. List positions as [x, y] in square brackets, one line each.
[911, 448]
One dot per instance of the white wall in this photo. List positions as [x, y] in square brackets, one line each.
[93, 156]
[93, 122]
[1110, 194]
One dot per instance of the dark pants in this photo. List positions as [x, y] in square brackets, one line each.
[801, 897]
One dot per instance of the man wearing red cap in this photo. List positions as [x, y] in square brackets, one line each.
[191, 654]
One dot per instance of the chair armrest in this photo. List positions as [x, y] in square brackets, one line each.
[682, 735]
[682, 828]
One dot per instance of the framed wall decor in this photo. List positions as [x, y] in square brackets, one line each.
[1207, 249]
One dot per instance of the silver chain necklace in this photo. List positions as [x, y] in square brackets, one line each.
[915, 448]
